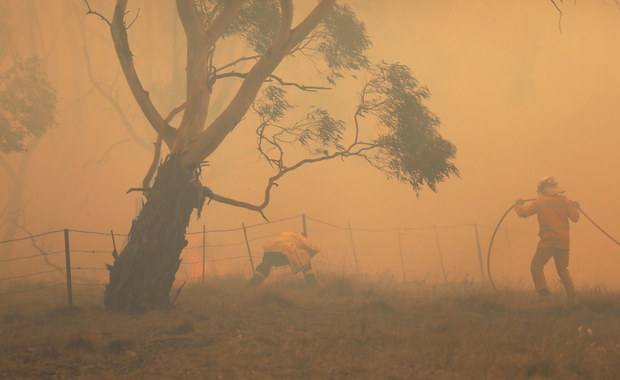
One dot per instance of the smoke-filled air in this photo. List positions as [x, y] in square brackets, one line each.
[359, 189]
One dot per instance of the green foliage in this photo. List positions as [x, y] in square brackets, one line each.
[272, 105]
[256, 23]
[27, 104]
[410, 146]
[340, 41]
[318, 132]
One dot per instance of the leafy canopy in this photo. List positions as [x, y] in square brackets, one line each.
[410, 146]
[404, 140]
[339, 42]
[394, 130]
[27, 104]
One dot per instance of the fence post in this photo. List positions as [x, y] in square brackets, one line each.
[204, 244]
[247, 244]
[114, 251]
[68, 268]
[400, 249]
[443, 268]
[482, 277]
[357, 268]
[304, 226]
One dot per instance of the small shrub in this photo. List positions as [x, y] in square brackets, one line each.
[274, 296]
[541, 368]
[12, 317]
[80, 342]
[185, 327]
[339, 287]
[379, 305]
[120, 346]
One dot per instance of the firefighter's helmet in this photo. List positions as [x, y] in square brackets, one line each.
[548, 186]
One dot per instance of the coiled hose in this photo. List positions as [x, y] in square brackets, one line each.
[504, 216]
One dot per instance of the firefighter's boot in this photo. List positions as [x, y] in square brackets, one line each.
[257, 279]
[310, 279]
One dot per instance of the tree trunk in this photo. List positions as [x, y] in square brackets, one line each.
[142, 275]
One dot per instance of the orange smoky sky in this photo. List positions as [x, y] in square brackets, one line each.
[520, 99]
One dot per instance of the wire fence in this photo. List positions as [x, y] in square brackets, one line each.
[70, 263]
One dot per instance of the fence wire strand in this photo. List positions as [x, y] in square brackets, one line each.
[31, 274]
[97, 233]
[91, 251]
[32, 256]
[326, 223]
[405, 231]
[30, 236]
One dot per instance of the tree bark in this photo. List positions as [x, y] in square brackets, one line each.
[142, 275]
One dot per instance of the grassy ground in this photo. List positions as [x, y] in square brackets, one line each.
[344, 329]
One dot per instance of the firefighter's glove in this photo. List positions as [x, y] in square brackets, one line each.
[575, 204]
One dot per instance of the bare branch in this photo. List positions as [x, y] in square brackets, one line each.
[134, 19]
[281, 173]
[91, 12]
[125, 57]
[146, 182]
[560, 14]
[200, 42]
[301, 87]
[270, 78]
[114, 101]
[175, 111]
[36, 246]
[233, 63]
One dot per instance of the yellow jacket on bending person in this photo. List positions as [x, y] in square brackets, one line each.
[295, 246]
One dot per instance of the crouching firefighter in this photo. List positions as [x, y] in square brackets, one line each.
[287, 248]
[554, 211]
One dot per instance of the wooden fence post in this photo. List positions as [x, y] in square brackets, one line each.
[114, 250]
[443, 268]
[400, 249]
[68, 268]
[357, 268]
[247, 244]
[204, 244]
[304, 226]
[479, 251]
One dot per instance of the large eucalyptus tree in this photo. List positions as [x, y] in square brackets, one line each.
[390, 127]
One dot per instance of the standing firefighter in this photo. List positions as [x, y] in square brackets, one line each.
[287, 248]
[553, 210]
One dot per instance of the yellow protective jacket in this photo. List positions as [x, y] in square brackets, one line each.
[554, 212]
[295, 246]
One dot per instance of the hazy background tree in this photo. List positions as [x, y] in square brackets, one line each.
[27, 111]
[27, 102]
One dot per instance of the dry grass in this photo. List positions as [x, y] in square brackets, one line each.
[346, 328]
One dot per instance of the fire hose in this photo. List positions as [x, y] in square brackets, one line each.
[504, 216]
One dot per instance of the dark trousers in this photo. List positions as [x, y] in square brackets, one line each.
[277, 259]
[560, 257]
